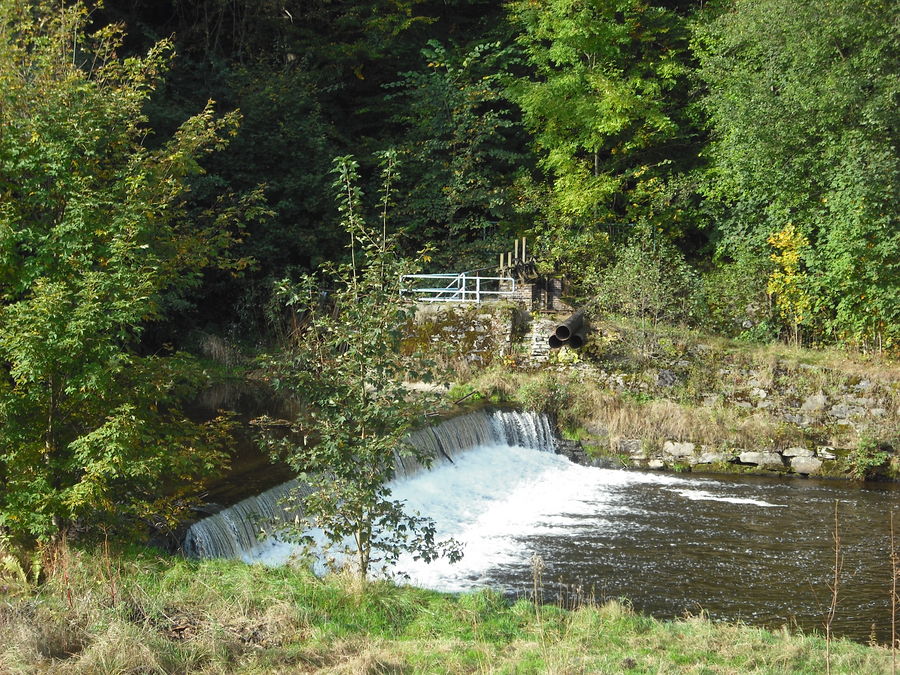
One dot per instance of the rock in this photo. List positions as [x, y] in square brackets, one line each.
[806, 465]
[877, 412]
[712, 458]
[710, 399]
[863, 385]
[766, 460]
[674, 449]
[843, 411]
[797, 452]
[632, 447]
[595, 429]
[759, 392]
[743, 404]
[825, 452]
[605, 463]
[656, 464]
[814, 403]
[799, 420]
[763, 405]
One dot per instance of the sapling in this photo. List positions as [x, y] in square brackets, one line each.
[350, 370]
[833, 587]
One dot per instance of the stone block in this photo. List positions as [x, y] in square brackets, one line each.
[814, 403]
[766, 460]
[797, 452]
[675, 449]
[806, 465]
[632, 447]
[712, 458]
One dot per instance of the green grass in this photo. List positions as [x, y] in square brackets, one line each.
[142, 612]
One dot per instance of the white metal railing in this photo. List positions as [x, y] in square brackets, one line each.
[463, 287]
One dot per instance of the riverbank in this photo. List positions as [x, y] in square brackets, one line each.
[140, 611]
[681, 400]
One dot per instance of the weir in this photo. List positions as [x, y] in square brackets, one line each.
[234, 531]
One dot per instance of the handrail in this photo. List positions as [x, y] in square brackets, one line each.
[458, 289]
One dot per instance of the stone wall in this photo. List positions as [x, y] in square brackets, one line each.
[679, 455]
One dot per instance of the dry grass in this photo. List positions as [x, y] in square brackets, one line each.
[173, 616]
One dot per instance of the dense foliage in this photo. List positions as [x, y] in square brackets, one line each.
[723, 129]
[732, 165]
[94, 244]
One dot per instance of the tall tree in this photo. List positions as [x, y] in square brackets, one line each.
[606, 104]
[93, 246]
[462, 146]
[803, 100]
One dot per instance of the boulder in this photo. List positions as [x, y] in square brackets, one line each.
[843, 411]
[656, 464]
[814, 403]
[674, 449]
[633, 447]
[797, 452]
[666, 378]
[766, 460]
[712, 458]
[825, 452]
[806, 465]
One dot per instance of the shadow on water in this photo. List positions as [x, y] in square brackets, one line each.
[252, 470]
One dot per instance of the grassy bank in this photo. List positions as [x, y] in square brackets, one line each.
[140, 612]
[722, 395]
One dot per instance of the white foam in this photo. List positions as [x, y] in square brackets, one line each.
[704, 495]
[496, 498]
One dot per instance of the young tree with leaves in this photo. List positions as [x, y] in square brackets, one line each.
[351, 371]
[93, 245]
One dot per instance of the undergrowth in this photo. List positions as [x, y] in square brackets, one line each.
[138, 611]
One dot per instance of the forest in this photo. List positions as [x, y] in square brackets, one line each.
[168, 172]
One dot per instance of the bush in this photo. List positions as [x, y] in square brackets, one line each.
[736, 300]
[651, 284]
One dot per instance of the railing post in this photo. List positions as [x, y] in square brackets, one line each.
[478, 290]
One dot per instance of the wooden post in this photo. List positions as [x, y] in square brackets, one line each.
[523, 250]
[500, 267]
[517, 250]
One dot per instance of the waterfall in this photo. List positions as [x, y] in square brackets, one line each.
[444, 441]
[237, 530]
[234, 532]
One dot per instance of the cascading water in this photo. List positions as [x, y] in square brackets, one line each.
[743, 548]
[235, 532]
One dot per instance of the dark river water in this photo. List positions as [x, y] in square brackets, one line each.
[754, 549]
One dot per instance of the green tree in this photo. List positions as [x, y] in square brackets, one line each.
[803, 101]
[349, 366]
[462, 147]
[650, 284]
[93, 246]
[606, 104]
